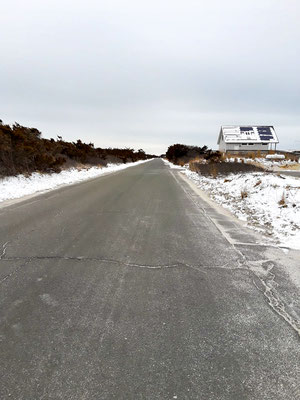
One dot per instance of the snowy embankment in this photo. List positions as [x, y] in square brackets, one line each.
[14, 187]
[268, 202]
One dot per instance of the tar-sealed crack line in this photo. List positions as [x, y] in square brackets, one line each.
[277, 304]
[2, 255]
[199, 267]
[265, 275]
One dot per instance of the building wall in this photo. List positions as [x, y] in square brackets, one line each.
[222, 145]
[245, 147]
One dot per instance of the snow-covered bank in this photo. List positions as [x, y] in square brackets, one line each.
[268, 202]
[18, 186]
[268, 164]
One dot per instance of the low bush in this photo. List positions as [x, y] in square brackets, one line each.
[181, 154]
[224, 168]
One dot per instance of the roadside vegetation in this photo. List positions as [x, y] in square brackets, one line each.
[250, 186]
[181, 154]
[208, 162]
[23, 151]
[222, 168]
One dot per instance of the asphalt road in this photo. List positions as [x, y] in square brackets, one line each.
[132, 286]
[295, 173]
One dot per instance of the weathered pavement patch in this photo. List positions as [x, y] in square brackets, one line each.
[264, 260]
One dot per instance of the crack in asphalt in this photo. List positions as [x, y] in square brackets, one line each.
[262, 270]
[27, 259]
[120, 262]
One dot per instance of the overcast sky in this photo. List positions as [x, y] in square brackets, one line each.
[147, 74]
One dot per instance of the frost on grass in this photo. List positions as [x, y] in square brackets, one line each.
[267, 202]
[19, 186]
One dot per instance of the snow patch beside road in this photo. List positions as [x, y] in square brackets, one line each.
[14, 187]
[269, 203]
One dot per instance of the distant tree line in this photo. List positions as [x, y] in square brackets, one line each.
[23, 150]
[182, 154]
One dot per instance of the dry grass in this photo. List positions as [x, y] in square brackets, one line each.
[181, 163]
[214, 171]
[295, 167]
[223, 157]
[282, 201]
[258, 183]
[291, 157]
[244, 194]
[195, 162]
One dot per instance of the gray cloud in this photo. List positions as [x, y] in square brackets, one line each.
[148, 74]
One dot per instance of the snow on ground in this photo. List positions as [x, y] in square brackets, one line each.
[14, 187]
[268, 202]
[171, 165]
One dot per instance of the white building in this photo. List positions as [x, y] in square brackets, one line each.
[247, 138]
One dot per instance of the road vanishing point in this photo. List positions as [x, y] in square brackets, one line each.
[134, 286]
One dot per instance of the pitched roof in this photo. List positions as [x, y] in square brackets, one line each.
[247, 133]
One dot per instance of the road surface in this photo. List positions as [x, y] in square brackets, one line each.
[295, 173]
[133, 286]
